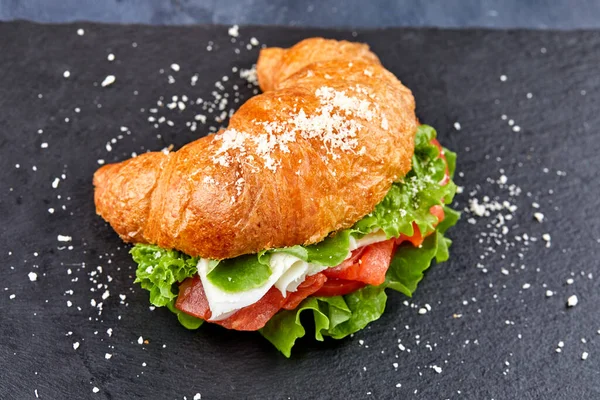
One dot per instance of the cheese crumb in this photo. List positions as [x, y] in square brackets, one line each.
[75, 345]
[175, 67]
[457, 126]
[539, 216]
[437, 369]
[234, 31]
[32, 276]
[80, 32]
[109, 80]
[572, 301]
[62, 238]
[140, 340]
[95, 389]
[66, 74]
[111, 57]
[549, 293]
[108, 356]
[584, 355]
[197, 396]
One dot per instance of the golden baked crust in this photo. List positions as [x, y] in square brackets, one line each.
[312, 155]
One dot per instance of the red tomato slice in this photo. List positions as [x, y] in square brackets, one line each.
[438, 212]
[339, 287]
[192, 300]
[310, 285]
[370, 268]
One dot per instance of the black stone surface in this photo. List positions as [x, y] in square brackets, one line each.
[492, 334]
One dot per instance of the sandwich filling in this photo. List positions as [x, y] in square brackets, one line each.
[342, 279]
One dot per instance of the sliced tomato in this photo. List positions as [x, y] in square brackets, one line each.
[310, 285]
[339, 287]
[438, 212]
[371, 266]
[192, 300]
[416, 239]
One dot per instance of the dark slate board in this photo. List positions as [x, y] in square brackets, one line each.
[502, 346]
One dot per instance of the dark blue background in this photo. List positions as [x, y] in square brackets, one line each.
[556, 14]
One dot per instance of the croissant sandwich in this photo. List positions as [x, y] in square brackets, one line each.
[321, 193]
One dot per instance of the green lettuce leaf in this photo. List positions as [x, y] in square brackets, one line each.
[337, 316]
[409, 263]
[159, 270]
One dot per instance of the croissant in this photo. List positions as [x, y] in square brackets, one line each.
[311, 155]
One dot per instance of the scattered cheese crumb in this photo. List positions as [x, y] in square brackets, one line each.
[111, 57]
[109, 80]
[584, 355]
[80, 32]
[572, 301]
[32, 276]
[549, 293]
[503, 78]
[95, 389]
[457, 126]
[175, 67]
[526, 286]
[234, 31]
[539, 216]
[67, 74]
[140, 340]
[62, 238]
[75, 345]
[437, 369]
[108, 356]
